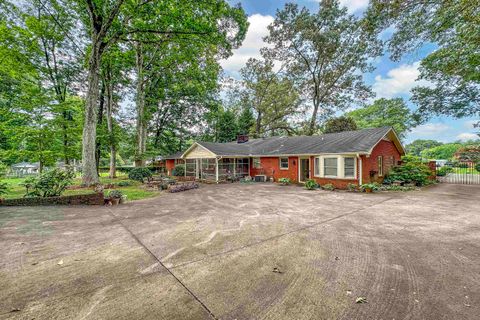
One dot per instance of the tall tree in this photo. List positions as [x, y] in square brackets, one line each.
[385, 113]
[246, 120]
[452, 69]
[417, 146]
[339, 124]
[272, 96]
[109, 22]
[326, 51]
[226, 126]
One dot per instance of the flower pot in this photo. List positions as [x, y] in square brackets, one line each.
[115, 201]
[368, 190]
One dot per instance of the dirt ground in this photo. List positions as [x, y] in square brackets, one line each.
[238, 251]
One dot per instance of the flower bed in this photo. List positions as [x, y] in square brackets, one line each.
[80, 199]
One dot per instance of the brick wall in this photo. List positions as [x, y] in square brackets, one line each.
[169, 165]
[81, 199]
[391, 156]
[271, 168]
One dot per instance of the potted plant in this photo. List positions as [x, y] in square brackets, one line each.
[369, 187]
[284, 181]
[3, 190]
[115, 196]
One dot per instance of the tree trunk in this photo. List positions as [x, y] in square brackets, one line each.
[109, 112]
[140, 106]
[89, 171]
[313, 120]
[258, 125]
[98, 144]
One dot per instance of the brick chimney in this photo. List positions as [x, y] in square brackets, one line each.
[242, 138]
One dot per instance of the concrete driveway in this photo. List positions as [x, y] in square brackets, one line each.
[238, 251]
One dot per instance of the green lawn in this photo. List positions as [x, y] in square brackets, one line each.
[133, 192]
[465, 171]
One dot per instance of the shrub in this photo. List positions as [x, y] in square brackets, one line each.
[443, 171]
[3, 169]
[369, 186]
[477, 167]
[284, 181]
[3, 188]
[351, 187]
[178, 171]
[412, 170]
[462, 165]
[115, 194]
[49, 184]
[124, 183]
[311, 184]
[328, 186]
[139, 174]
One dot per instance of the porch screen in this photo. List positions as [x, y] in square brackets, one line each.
[349, 169]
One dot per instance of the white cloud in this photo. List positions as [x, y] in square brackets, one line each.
[469, 124]
[251, 45]
[398, 81]
[354, 5]
[467, 136]
[430, 129]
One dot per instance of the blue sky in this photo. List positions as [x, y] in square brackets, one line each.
[389, 79]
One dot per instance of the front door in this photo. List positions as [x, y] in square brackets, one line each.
[304, 170]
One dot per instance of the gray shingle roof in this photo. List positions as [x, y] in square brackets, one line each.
[360, 141]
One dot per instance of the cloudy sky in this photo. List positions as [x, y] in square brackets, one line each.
[390, 79]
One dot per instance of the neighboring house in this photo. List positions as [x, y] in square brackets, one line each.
[24, 168]
[339, 158]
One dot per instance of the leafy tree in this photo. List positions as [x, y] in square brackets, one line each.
[445, 151]
[246, 121]
[452, 69]
[226, 126]
[385, 113]
[326, 52]
[339, 124]
[469, 153]
[417, 146]
[271, 95]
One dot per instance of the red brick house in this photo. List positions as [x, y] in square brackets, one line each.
[357, 157]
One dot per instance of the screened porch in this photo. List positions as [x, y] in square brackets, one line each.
[217, 169]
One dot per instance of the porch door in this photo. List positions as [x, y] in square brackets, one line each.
[304, 170]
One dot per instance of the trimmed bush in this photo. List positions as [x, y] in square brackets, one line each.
[49, 184]
[178, 171]
[139, 174]
[351, 187]
[311, 184]
[369, 186]
[477, 167]
[412, 170]
[125, 183]
[3, 188]
[328, 186]
[443, 171]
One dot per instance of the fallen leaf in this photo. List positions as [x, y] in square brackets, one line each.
[361, 300]
[349, 293]
[60, 262]
[276, 270]
[34, 263]
[15, 310]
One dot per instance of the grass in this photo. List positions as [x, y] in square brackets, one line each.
[133, 192]
[465, 171]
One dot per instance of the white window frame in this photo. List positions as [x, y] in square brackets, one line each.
[380, 166]
[320, 162]
[354, 167]
[324, 167]
[255, 164]
[316, 166]
[280, 163]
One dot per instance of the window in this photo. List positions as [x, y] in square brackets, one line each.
[284, 163]
[316, 167]
[349, 167]
[330, 167]
[256, 163]
[380, 166]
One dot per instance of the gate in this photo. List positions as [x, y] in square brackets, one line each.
[459, 173]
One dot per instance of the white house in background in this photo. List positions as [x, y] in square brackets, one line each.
[25, 168]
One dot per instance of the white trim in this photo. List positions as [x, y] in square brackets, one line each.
[360, 173]
[280, 163]
[195, 144]
[340, 166]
